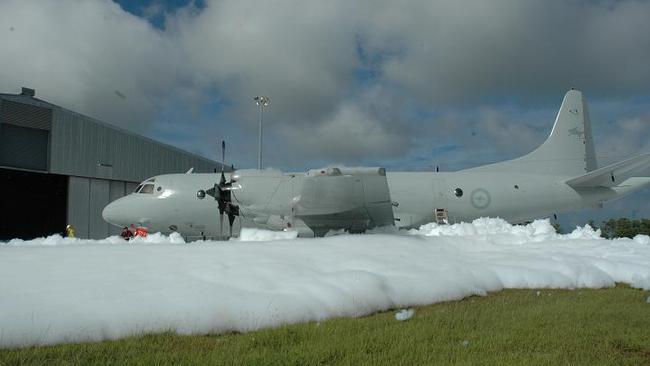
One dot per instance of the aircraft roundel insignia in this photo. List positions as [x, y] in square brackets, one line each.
[480, 198]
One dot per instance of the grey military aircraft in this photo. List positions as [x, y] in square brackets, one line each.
[559, 176]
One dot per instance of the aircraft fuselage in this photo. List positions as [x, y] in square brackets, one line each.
[174, 205]
[560, 175]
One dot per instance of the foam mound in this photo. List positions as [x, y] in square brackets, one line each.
[58, 290]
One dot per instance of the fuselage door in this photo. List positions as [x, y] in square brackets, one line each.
[439, 191]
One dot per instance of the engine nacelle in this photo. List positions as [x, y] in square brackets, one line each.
[354, 199]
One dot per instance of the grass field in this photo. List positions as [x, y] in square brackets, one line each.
[512, 327]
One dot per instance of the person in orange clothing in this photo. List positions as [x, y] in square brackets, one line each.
[141, 231]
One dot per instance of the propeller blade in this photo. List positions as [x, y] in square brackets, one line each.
[220, 226]
[222, 180]
[233, 211]
[231, 219]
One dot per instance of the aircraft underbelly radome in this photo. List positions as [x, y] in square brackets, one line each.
[559, 176]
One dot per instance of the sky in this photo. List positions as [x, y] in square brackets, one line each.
[69, 290]
[404, 85]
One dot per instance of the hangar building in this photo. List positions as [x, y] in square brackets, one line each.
[59, 167]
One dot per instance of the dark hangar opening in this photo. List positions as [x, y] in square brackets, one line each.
[33, 204]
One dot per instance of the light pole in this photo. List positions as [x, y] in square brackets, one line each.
[261, 101]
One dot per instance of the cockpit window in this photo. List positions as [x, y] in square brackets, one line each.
[146, 186]
[147, 189]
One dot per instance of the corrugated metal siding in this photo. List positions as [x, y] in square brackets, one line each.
[25, 115]
[22, 147]
[87, 198]
[83, 147]
[98, 199]
[78, 193]
[130, 187]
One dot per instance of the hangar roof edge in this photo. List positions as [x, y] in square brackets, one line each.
[24, 99]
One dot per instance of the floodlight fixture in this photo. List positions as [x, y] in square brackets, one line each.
[262, 102]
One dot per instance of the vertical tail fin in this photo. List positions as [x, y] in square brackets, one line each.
[568, 151]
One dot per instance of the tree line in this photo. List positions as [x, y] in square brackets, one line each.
[623, 227]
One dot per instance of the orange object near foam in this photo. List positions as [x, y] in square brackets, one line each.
[141, 231]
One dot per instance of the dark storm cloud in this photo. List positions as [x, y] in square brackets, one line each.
[451, 51]
[364, 81]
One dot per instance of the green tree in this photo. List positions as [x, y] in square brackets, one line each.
[623, 227]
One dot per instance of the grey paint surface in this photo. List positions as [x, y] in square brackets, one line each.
[87, 197]
[24, 134]
[85, 147]
[98, 198]
[25, 115]
[23, 147]
[78, 205]
[130, 187]
[82, 147]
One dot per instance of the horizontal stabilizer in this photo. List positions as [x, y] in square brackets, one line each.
[611, 175]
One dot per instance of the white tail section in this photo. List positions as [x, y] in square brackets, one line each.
[568, 151]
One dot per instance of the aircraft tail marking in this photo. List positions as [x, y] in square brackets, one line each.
[612, 175]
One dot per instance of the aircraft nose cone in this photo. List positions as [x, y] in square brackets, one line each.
[114, 213]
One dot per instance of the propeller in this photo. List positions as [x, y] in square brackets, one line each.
[221, 193]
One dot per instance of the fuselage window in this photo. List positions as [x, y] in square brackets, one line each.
[147, 189]
[159, 189]
[458, 192]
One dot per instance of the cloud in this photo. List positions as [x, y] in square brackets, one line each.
[348, 136]
[300, 54]
[450, 52]
[626, 137]
[359, 82]
[89, 56]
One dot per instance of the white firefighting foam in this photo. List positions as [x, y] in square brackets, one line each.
[58, 290]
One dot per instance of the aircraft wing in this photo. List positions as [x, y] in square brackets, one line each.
[612, 175]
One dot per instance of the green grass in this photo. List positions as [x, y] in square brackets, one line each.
[512, 327]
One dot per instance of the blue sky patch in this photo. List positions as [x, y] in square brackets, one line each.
[156, 10]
